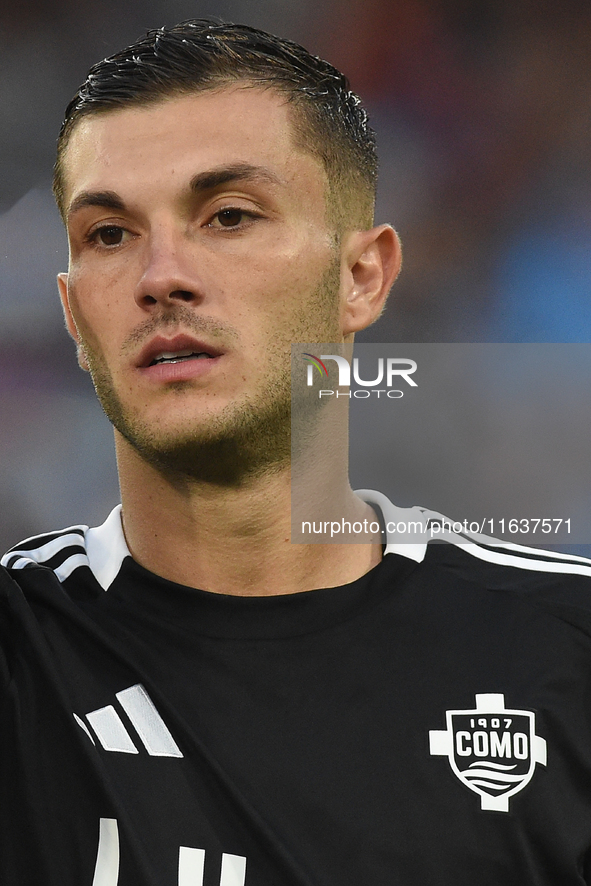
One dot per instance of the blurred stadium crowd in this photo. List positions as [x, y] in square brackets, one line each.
[482, 112]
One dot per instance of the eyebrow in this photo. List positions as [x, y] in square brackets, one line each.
[223, 175]
[200, 183]
[105, 199]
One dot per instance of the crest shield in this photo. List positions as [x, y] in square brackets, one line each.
[492, 750]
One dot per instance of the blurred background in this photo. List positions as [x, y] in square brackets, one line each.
[482, 112]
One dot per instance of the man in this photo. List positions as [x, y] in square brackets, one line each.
[188, 698]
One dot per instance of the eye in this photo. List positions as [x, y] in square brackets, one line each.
[230, 218]
[108, 235]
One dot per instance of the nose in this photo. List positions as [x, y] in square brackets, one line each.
[168, 276]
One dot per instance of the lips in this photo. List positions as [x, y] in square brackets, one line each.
[162, 351]
[183, 356]
[180, 359]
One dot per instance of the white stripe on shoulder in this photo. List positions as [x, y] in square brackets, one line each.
[406, 524]
[61, 551]
[102, 549]
[543, 562]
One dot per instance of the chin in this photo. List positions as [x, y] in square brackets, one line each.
[227, 446]
[226, 449]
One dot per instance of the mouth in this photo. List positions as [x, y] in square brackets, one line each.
[161, 351]
[179, 357]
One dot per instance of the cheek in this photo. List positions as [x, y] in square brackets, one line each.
[95, 317]
[79, 304]
[295, 284]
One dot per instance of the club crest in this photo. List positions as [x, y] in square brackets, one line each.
[493, 750]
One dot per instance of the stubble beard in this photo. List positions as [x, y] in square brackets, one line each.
[245, 439]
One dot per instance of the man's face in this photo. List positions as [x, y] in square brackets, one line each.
[199, 251]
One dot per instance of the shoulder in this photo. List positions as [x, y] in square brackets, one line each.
[533, 574]
[548, 591]
[556, 581]
[416, 532]
[101, 550]
[61, 551]
[506, 563]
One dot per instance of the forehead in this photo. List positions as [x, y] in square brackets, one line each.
[180, 136]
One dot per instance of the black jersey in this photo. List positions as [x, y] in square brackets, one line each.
[429, 723]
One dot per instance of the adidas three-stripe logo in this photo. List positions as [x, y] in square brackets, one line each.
[191, 865]
[108, 726]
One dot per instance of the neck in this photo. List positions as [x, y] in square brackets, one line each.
[234, 539]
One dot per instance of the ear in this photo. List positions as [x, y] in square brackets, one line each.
[62, 285]
[373, 260]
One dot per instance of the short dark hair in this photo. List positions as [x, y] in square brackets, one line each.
[200, 54]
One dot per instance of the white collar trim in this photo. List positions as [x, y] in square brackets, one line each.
[106, 549]
[392, 516]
